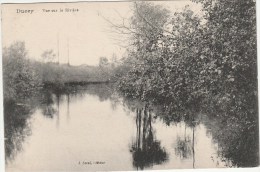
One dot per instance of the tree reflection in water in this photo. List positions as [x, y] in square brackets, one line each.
[146, 150]
[16, 128]
[47, 104]
[238, 141]
[183, 147]
[236, 138]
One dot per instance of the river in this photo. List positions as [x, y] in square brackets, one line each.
[92, 128]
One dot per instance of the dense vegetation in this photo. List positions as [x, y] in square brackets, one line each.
[194, 61]
[185, 64]
[19, 75]
[24, 77]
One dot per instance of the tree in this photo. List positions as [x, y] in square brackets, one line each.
[206, 64]
[48, 56]
[205, 60]
[230, 50]
[103, 61]
[146, 29]
[19, 76]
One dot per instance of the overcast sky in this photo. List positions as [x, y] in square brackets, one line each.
[85, 30]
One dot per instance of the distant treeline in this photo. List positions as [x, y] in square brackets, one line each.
[22, 76]
[63, 73]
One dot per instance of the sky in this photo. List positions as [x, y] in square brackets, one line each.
[84, 33]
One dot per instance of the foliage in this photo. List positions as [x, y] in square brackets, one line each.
[143, 52]
[23, 77]
[20, 78]
[48, 56]
[189, 60]
[61, 73]
[103, 61]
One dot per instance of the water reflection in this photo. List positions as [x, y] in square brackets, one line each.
[47, 104]
[238, 142]
[146, 150]
[163, 137]
[184, 146]
[17, 127]
[68, 107]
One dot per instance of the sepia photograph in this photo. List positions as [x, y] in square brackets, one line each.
[130, 85]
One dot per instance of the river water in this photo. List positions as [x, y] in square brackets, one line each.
[92, 128]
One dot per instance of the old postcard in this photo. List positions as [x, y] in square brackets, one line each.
[139, 85]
